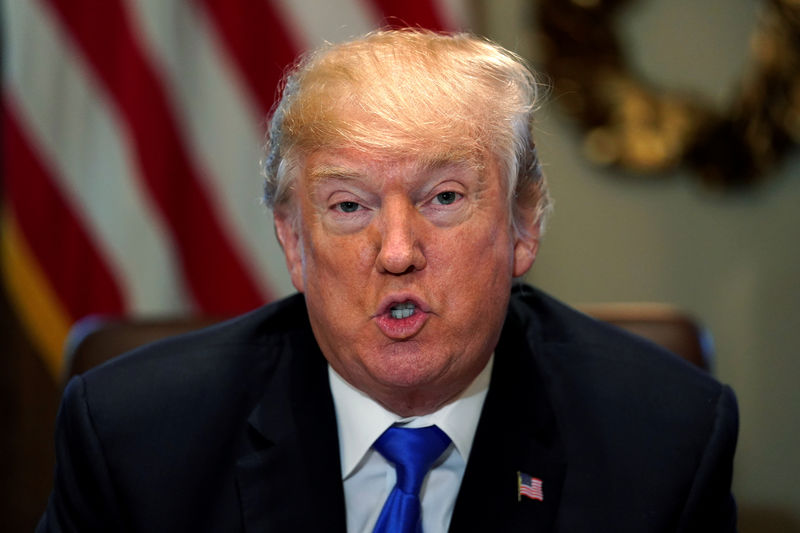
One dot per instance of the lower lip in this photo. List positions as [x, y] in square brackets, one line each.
[401, 328]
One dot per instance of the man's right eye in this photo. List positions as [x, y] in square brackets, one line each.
[348, 207]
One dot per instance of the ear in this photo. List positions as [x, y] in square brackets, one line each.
[525, 248]
[291, 242]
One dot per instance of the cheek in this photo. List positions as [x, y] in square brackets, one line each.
[337, 264]
[481, 248]
[486, 256]
[459, 263]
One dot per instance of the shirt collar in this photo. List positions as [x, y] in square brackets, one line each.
[361, 420]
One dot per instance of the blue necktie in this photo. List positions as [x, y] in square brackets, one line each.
[413, 451]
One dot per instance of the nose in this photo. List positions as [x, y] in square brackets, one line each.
[400, 250]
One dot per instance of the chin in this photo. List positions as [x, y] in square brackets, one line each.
[413, 368]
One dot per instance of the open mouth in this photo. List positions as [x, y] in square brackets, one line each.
[402, 310]
[402, 316]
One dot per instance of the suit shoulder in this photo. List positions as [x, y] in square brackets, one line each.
[233, 343]
[215, 371]
[610, 383]
[598, 354]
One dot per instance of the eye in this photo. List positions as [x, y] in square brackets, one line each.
[348, 207]
[447, 197]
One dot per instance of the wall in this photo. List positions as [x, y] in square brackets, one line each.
[732, 260]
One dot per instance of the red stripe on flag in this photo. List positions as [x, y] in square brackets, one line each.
[77, 271]
[215, 274]
[398, 13]
[258, 42]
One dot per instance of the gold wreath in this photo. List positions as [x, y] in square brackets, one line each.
[630, 124]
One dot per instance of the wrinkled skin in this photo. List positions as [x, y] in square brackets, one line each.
[374, 232]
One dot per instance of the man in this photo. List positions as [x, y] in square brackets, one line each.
[407, 196]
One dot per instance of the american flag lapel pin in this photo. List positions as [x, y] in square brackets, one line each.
[529, 486]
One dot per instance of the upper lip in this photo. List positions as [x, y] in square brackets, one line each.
[401, 297]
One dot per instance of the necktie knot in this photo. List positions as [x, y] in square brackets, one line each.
[412, 451]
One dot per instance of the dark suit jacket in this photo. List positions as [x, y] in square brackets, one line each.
[233, 429]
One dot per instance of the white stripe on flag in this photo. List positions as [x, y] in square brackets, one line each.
[84, 142]
[455, 14]
[220, 124]
[313, 22]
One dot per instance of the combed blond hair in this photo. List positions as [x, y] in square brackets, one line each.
[413, 93]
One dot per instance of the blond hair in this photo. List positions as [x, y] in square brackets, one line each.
[411, 93]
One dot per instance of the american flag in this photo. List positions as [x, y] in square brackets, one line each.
[530, 487]
[131, 135]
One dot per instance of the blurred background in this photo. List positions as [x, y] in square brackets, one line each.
[131, 135]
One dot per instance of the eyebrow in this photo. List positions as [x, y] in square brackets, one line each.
[324, 172]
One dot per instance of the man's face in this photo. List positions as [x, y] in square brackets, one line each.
[406, 269]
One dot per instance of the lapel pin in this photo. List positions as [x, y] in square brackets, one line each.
[529, 486]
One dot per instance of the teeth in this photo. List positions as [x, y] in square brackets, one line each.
[403, 310]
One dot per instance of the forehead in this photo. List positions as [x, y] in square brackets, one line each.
[350, 164]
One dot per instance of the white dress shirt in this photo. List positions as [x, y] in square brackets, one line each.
[369, 478]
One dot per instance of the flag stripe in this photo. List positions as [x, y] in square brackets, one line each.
[422, 14]
[104, 35]
[99, 181]
[53, 232]
[225, 138]
[535, 495]
[257, 40]
[331, 21]
[455, 14]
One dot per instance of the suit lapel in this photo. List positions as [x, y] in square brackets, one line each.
[288, 470]
[516, 432]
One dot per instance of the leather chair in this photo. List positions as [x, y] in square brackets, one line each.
[93, 341]
[662, 324]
